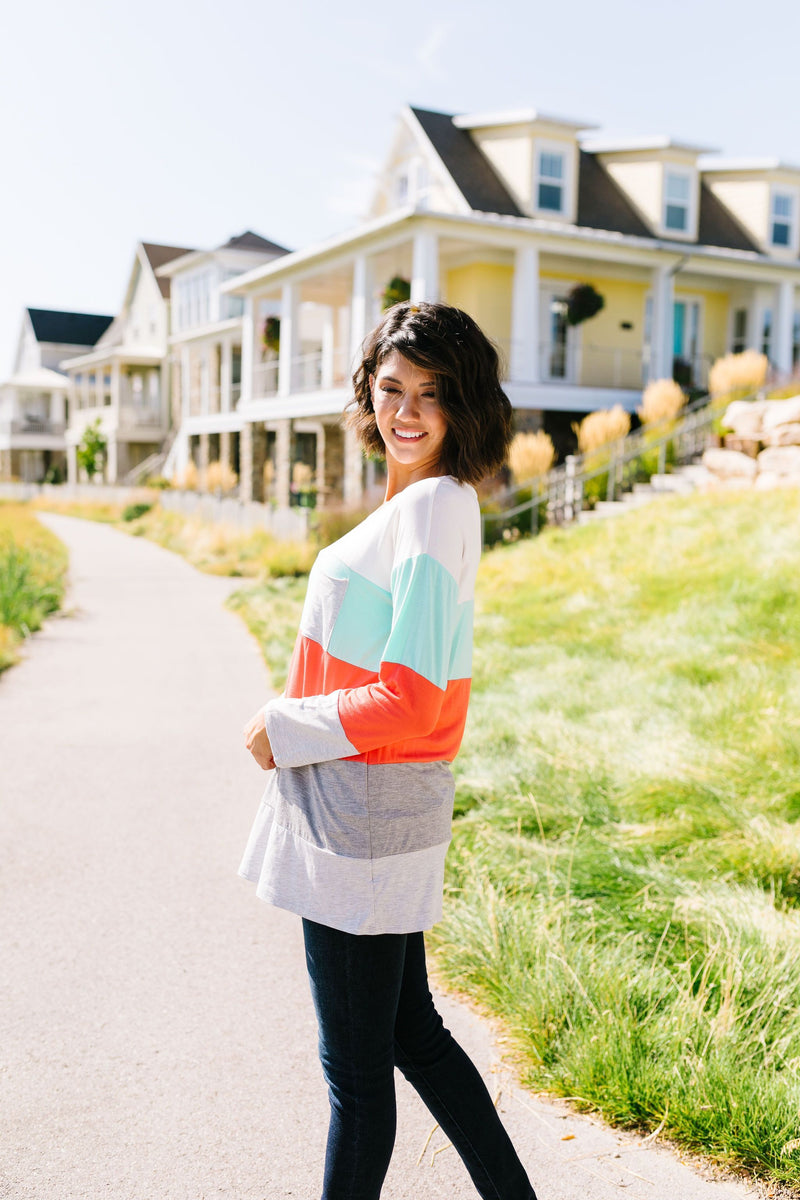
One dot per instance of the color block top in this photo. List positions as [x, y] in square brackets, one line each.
[381, 669]
[355, 822]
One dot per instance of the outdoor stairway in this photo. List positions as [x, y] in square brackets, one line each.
[681, 481]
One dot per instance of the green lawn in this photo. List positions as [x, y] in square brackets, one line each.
[33, 567]
[625, 873]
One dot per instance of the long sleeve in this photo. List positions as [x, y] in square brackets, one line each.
[412, 702]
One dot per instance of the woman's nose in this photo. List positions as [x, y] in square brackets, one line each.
[408, 406]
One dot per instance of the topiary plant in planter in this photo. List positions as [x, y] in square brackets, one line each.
[583, 302]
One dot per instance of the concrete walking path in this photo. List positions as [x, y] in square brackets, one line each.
[157, 1040]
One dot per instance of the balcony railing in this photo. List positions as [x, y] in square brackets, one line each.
[309, 373]
[583, 364]
[132, 416]
[32, 425]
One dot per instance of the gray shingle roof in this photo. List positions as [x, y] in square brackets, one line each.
[253, 241]
[67, 328]
[157, 256]
[601, 202]
[717, 226]
[471, 171]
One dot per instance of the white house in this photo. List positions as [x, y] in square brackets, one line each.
[124, 382]
[33, 401]
[205, 350]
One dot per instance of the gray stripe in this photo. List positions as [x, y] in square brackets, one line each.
[363, 810]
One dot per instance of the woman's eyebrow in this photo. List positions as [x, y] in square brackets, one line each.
[399, 382]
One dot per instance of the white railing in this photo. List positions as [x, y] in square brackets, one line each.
[583, 364]
[135, 415]
[308, 373]
[32, 425]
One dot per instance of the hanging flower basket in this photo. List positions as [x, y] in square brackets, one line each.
[396, 291]
[272, 334]
[583, 302]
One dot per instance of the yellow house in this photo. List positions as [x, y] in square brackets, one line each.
[504, 215]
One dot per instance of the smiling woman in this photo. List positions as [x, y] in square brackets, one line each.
[355, 820]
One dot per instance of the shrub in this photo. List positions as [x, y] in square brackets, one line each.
[601, 427]
[187, 480]
[91, 452]
[329, 524]
[132, 511]
[530, 455]
[158, 482]
[220, 477]
[662, 400]
[745, 372]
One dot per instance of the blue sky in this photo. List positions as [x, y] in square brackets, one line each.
[186, 123]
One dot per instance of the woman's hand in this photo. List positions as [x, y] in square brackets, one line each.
[257, 741]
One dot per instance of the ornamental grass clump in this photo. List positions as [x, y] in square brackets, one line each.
[600, 428]
[33, 566]
[745, 372]
[662, 400]
[220, 477]
[187, 479]
[531, 455]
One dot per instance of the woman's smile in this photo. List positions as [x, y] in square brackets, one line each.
[409, 419]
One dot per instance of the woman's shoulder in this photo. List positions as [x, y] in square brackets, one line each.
[439, 517]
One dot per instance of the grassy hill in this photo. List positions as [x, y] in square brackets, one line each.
[625, 875]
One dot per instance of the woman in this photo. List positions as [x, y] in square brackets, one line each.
[355, 821]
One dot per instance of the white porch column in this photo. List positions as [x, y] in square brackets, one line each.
[425, 267]
[289, 338]
[226, 375]
[248, 346]
[283, 457]
[662, 333]
[360, 305]
[784, 320]
[186, 382]
[524, 351]
[328, 348]
[352, 487]
[116, 388]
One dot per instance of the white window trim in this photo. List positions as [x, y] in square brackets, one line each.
[567, 152]
[793, 193]
[690, 232]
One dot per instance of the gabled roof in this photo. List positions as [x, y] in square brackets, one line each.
[157, 256]
[67, 328]
[470, 170]
[601, 202]
[717, 225]
[253, 241]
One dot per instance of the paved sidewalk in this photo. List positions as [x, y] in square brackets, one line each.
[157, 1040]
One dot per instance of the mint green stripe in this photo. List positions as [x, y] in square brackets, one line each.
[363, 623]
[426, 618]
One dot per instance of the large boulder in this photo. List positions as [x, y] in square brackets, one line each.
[730, 464]
[782, 435]
[743, 417]
[780, 412]
[780, 460]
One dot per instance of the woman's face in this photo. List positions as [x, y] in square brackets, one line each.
[409, 419]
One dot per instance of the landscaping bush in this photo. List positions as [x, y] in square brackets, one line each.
[33, 566]
[132, 511]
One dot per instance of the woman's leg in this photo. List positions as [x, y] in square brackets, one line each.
[448, 1082]
[355, 984]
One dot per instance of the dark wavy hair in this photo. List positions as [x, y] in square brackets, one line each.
[447, 342]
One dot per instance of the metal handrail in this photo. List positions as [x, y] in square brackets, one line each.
[563, 488]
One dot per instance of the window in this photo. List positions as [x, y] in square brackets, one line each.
[782, 219]
[739, 331]
[550, 183]
[796, 338]
[677, 194]
[401, 188]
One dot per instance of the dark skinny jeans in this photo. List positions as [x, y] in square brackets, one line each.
[375, 1012]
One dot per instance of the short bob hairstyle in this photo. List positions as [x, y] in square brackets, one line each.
[447, 342]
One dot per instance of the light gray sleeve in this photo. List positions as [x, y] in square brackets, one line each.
[306, 730]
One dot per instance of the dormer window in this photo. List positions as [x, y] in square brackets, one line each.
[677, 200]
[782, 219]
[550, 179]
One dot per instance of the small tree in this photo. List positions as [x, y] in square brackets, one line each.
[92, 449]
[583, 303]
